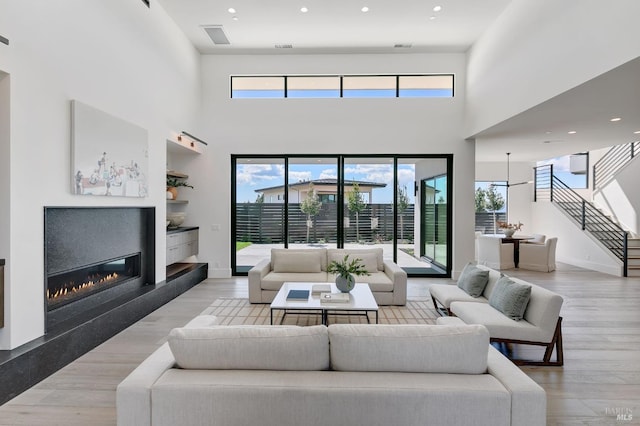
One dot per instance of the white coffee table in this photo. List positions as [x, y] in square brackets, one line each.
[361, 302]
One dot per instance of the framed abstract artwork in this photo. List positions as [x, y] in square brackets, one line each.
[109, 156]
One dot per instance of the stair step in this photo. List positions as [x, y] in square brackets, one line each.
[633, 243]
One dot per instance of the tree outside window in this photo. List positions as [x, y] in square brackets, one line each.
[403, 204]
[494, 203]
[311, 207]
[355, 204]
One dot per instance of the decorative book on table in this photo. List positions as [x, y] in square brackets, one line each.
[334, 298]
[298, 295]
[320, 288]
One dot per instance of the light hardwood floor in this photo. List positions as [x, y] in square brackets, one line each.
[601, 375]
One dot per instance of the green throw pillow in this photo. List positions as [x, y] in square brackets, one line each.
[473, 280]
[510, 298]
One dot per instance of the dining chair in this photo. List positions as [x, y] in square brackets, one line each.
[495, 254]
[539, 257]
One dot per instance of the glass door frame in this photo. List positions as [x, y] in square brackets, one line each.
[423, 230]
[340, 201]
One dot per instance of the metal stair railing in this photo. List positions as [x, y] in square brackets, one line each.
[606, 167]
[582, 212]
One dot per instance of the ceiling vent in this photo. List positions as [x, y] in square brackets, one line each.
[284, 46]
[4, 40]
[216, 34]
[402, 46]
[146, 2]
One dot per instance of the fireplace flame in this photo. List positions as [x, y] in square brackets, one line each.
[73, 288]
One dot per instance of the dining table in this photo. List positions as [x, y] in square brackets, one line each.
[515, 239]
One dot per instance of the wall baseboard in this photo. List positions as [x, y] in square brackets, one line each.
[219, 272]
[605, 269]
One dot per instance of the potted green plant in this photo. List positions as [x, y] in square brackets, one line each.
[173, 184]
[346, 269]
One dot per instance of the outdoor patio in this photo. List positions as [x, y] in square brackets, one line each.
[254, 253]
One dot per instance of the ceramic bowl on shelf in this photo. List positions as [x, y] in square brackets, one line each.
[175, 219]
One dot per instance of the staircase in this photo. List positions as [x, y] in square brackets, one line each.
[633, 257]
[616, 158]
[606, 169]
[588, 217]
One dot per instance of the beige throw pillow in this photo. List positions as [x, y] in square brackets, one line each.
[251, 348]
[297, 261]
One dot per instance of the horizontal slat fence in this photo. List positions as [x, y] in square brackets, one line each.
[484, 222]
[263, 223]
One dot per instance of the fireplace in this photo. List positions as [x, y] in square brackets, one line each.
[67, 287]
[95, 258]
[81, 238]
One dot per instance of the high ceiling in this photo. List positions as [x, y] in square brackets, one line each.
[409, 26]
[335, 26]
[586, 111]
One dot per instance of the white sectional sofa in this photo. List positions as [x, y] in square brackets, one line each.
[344, 374]
[388, 282]
[541, 324]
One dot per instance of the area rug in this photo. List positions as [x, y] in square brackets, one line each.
[236, 311]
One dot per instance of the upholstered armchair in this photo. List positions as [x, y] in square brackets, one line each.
[539, 257]
[492, 252]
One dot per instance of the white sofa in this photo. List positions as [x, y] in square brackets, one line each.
[291, 376]
[388, 282]
[541, 325]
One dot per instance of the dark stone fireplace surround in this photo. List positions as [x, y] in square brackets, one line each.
[80, 236]
[77, 237]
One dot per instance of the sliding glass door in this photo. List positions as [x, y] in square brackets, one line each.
[312, 202]
[367, 188]
[435, 219]
[259, 210]
[398, 203]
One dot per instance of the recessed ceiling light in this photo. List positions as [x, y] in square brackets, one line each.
[548, 132]
[304, 9]
[365, 9]
[235, 18]
[231, 10]
[437, 8]
[637, 132]
[572, 132]
[616, 119]
[431, 18]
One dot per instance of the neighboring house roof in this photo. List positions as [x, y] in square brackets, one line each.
[320, 182]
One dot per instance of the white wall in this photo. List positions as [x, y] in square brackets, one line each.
[538, 49]
[620, 197]
[5, 167]
[317, 126]
[117, 56]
